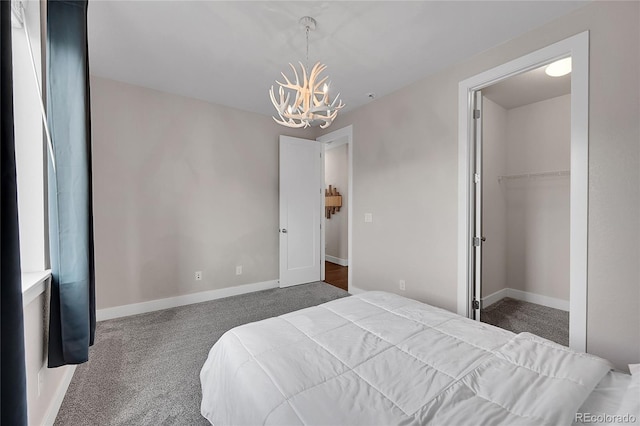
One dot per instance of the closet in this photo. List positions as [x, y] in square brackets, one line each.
[526, 140]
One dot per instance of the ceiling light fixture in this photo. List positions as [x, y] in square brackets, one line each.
[559, 68]
[311, 105]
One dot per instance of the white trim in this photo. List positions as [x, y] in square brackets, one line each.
[186, 299]
[54, 408]
[33, 285]
[538, 299]
[336, 260]
[355, 290]
[336, 143]
[323, 215]
[494, 297]
[345, 133]
[579, 187]
[577, 47]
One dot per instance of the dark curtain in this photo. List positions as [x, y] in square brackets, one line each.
[72, 320]
[14, 386]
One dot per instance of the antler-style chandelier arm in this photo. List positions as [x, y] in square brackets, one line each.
[284, 102]
[290, 123]
[288, 83]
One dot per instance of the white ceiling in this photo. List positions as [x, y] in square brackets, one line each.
[527, 88]
[230, 52]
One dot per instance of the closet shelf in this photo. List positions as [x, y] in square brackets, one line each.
[535, 175]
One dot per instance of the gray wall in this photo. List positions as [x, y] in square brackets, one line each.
[180, 186]
[538, 140]
[405, 147]
[40, 398]
[526, 221]
[336, 229]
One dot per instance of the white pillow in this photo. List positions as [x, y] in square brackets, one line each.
[630, 407]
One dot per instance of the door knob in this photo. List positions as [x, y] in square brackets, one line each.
[284, 231]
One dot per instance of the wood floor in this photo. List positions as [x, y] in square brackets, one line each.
[336, 275]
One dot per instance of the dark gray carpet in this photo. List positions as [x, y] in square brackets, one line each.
[144, 369]
[518, 316]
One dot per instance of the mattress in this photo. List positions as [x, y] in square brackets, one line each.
[378, 358]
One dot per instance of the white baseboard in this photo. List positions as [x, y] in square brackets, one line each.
[52, 412]
[494, 297]
[336, 260]
[187, 299]
[539, 299]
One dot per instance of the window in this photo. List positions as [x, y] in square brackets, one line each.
[29, 140]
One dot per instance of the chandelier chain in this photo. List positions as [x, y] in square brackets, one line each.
[307, 64]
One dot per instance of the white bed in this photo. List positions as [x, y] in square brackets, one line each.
[378, 358]
[616, 400]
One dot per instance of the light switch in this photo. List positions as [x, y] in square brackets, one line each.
[368, 217]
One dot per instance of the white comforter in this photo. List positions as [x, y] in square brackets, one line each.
[378, 358]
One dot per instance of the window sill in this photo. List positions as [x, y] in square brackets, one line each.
[33, 285]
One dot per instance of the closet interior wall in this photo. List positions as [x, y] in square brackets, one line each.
[526, 218]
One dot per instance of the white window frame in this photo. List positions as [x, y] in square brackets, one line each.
[30, 154]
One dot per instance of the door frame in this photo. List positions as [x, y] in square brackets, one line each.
[577, 47]
[477, 195]
[346, 134]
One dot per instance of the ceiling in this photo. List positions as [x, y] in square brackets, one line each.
[231, 52]
[527, 88]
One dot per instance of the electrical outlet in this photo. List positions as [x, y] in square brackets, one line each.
[368, 217]
[239, 270]
[402, 285]
[198, 275]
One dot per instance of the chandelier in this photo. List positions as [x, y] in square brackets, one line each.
[311, 105]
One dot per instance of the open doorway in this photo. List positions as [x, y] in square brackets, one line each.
[526, 161]
[337, 224]
[471, 180]
[337, 205]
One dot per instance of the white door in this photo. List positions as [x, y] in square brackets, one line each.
[301, 192]
[478, 239]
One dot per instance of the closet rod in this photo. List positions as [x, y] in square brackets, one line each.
[535, 175]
